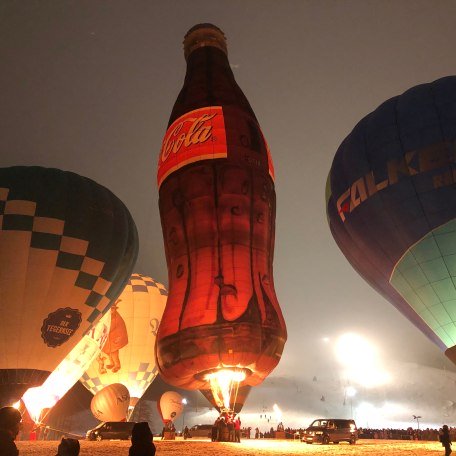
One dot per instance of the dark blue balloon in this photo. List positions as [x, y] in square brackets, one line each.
[391, 205]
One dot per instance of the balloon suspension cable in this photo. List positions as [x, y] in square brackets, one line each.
[44, 414]
[131, 409]
[236, 386]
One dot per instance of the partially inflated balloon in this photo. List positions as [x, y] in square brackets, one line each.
[68, 372]
[67, 248]
[391, 205]
[128, 354]
[170, 406]
[111, 403]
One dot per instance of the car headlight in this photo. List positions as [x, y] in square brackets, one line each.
[319, 433]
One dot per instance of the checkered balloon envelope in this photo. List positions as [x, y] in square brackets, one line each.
[128, 355]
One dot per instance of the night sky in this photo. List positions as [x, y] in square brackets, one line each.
[88, 86]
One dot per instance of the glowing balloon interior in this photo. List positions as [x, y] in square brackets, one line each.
[67, 248]
[391, 205]
[68, 372]
[111, 403]
[128, 357]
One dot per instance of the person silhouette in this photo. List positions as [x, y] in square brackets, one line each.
[445, 439]
[68, 447]
[141, 440]
[10, 424]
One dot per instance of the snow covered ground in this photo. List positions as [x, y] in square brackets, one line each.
[246, 448]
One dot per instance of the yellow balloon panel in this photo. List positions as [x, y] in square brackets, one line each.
[45, 310]
[128, 354]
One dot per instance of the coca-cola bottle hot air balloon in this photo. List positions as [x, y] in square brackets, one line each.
[391, 205]
[67, 248]
[222, 325]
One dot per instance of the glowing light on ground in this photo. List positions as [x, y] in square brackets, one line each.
[224, 385]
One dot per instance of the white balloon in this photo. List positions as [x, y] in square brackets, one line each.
[170, 406]
[111, 403]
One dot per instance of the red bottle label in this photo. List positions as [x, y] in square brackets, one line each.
[197, 135]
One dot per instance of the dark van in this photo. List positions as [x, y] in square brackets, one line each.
[111, 430]
[201, 430]
[325, 430]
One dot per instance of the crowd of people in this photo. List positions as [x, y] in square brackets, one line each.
[366, 433]
[399, 434]
[226, 428]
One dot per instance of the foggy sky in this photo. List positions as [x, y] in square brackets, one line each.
[88, 86]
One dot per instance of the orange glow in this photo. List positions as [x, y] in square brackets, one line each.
[224, 385]
[68, 372]
[38, 398]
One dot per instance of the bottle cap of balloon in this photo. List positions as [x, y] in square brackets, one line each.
[202, 35]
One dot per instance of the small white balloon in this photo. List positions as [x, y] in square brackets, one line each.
[111, 403]
[170, 406]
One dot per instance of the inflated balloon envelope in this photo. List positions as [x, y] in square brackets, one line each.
[127, 356]
[170, 406]
[391, 205]
[67, 249]
[126, 334]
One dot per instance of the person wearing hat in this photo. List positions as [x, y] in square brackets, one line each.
[10, 423]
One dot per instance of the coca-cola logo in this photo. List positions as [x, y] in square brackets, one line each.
[197, 135]
[188, 132]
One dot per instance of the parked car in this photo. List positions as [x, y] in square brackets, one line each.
[325, 430]
[201, 430]
[111, 430]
